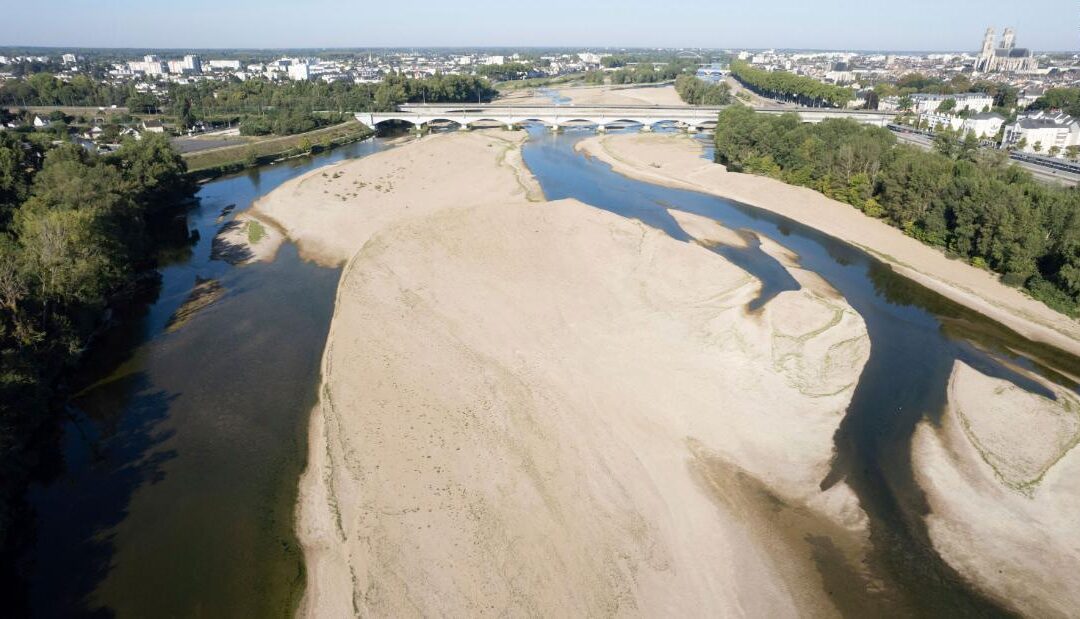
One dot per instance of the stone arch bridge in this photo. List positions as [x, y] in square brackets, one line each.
[601, 116]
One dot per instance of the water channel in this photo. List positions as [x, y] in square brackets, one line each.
[182, 454]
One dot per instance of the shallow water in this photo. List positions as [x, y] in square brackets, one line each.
[916, 335]
[181, 458]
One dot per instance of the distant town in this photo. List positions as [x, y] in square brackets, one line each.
[990, 92]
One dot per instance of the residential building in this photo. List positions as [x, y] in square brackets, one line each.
[974, 101]
[936, 121]
[1039, 132]
[224, 65]
[985, 125]
[299, 71]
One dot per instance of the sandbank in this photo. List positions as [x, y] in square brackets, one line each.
[675, 160]
[543, 408]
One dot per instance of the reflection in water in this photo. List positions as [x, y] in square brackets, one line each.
[181, 458]
[916, 337]
[175, 491]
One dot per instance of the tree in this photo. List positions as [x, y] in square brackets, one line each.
[1054, 151]
[947, 105]
[1037, 146]
[905, 103]
[969, 148]
[1072, 152]
[155, 174]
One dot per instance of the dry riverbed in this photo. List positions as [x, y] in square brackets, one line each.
[1000, 472]
[538, 407]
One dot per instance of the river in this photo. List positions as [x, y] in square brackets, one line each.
[181, 457]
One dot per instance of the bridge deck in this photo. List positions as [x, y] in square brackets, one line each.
[598, 114]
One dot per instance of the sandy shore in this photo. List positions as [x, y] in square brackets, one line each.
[1003, 481]
[600, 95]
[675, 160]
[1000, 472]
[543, 408]
[331, 211]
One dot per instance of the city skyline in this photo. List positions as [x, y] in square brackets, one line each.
[921, 25]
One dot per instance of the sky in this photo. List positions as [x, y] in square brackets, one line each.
[923, 25]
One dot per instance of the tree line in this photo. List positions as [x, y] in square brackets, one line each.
[1065, 99]
[971, 203]
[696, 91]
[282, 108]
[77, 230]
[648, 73]
[790, 87]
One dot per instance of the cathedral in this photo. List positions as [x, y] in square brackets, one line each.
[1006, 57]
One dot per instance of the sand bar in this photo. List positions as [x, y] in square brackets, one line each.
[544, 408]
[675, 160]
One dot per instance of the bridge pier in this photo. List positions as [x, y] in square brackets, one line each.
[646, 128]
[555, 128]
[601, 129]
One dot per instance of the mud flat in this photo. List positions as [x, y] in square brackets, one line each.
[544, 408]
[675, 160]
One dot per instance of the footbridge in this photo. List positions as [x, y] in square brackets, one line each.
[692, 118]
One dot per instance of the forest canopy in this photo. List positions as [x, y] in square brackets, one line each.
[972, 204]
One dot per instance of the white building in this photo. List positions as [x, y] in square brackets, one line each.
[936, 121]
[1043, 131]
[68, 58]
[983, 125]
[299, 71]
[974, 101]
[149, 65]
[224, 65]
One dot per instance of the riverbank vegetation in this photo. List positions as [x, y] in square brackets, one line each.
[77, 235]
[798, 89]
[282, 108]
[972, 204]
[227, 159]
[696, 91]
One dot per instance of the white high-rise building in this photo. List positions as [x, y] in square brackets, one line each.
[299, 71]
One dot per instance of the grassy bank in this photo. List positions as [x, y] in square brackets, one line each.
[216, 161]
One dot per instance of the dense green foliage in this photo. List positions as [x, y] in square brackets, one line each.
[648, 72]
[973, 205]
[75, 231]
[45, 89]
[264, 106]
[1064, 99]
[788, 86]
[1004, 95]
[699, 92]
[503, 72]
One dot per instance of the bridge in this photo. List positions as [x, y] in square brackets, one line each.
[691, 118]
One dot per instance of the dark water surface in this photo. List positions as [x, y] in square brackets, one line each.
[182, 454]
[916, 336]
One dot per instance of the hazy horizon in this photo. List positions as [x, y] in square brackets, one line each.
[919, 25]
